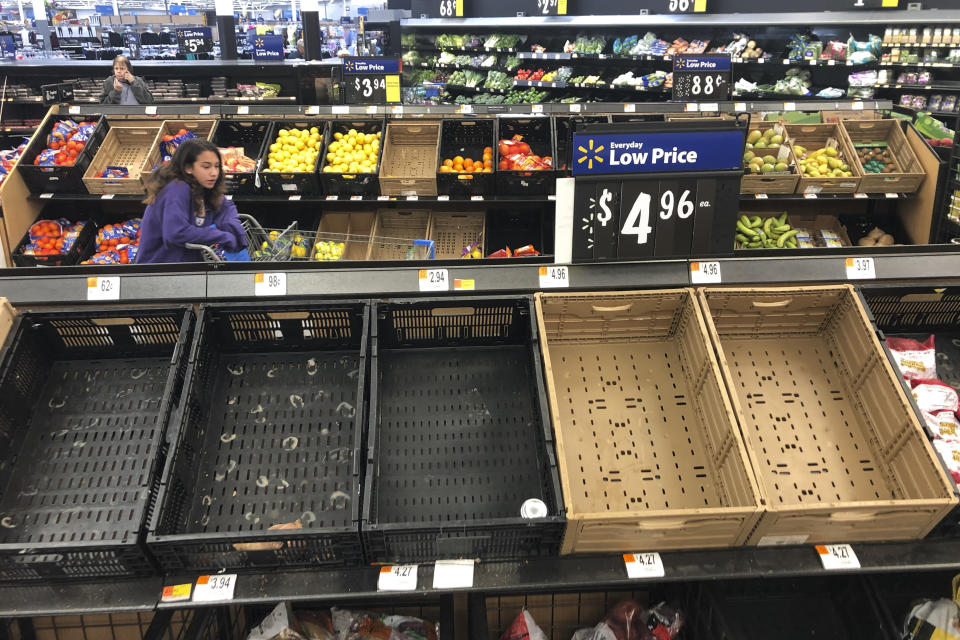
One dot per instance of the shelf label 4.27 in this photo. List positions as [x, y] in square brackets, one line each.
[398, 578]
[643, 565]
[837, 556]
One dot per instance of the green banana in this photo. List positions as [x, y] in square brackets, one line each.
[742, 238]
[782, 228]
[782, 220]
[746, 230]
[755, 221]
[745, 220]
[766, 226]
[782, 240]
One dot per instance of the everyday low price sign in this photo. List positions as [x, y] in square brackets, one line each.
[194, 40]
[371, 80]
[268, 48]
[655, 152]
[701, 77]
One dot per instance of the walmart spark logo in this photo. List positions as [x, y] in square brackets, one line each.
[348, 66]
[258, 43]
[591, 154]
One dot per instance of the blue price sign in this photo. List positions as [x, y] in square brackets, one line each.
[268, 48]
[701, 77]
[194, 40]
[595, 154]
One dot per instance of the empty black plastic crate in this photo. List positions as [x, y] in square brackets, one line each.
[352, 184]
[270, 435]
[85, 398]
[252, 137]
[459, 436]
[831, 608]
[565, 127]
[538, 133]
[468, 139]
[60, 179]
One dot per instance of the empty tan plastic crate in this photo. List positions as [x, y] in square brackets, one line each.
[649, 452]
[837, 449]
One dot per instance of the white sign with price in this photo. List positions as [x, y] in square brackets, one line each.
[643, 565]
[100, 288]
[398, 578]
[860, 269]
[705, 272]
[838, 556]
[433, 280]
[270, 284]
[554, 277]
[215, 588]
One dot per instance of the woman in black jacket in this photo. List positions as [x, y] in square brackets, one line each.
[123, 87]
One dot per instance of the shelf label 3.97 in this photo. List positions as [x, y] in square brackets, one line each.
[860, 269]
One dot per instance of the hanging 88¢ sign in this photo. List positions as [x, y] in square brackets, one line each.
[655, 195]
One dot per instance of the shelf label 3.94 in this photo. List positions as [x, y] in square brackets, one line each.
[215, 588]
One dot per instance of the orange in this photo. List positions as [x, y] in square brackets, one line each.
[448, 163]
[457, 167]
[468, 162]
[444, 169]
[487, 163]
[488, 169]
[458, 160]
[487, 155]
[487, 150]
[477, 168]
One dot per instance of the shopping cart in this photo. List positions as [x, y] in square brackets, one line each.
[263, 245]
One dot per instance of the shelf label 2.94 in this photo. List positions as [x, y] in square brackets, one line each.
[433, 280]
[643, 565]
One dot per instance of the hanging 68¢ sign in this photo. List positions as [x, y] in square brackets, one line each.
[660, 191]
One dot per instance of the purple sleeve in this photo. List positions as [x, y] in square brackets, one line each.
[228, 221]
[178, 227]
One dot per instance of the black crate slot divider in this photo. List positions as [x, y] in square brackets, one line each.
[459, 437]
[271, 435]
[86, 399]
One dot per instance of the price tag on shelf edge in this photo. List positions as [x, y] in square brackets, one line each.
[176, 593]
[103, 288]
[400, 577]
[860, 269]
[575, 108]
[837, 556]
[204, 109]
[243, 109]
[215, 588]
[453, 574]
[74, 110]
[705, 272]
[270, 284]
[433, 280]
[554, 277]
[643, 565]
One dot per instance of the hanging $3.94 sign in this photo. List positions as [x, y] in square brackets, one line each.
[655, 190]
[371, 80]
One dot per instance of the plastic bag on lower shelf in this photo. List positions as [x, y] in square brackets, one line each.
[934, 618]
[340, 624]
[631, 621]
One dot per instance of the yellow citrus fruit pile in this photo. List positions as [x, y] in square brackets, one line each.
[295, 150]
[353, 152]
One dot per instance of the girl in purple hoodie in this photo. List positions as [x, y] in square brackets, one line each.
[186, 205]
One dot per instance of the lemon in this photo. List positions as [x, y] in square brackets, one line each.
[338, 135]
[283, 133]
[352, 133]
[314, 130]
[832, 152]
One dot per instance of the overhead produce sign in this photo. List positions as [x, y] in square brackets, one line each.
[194, 40]
[268, 48]
[542, 7]
[643, 192]
[371, 80]
[876, 4]
[701, 77]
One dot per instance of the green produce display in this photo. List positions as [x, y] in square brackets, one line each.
[876, 157]
[762, 153]
[771, 233]
[933, 128]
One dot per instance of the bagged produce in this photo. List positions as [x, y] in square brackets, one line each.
[629, 620]
[170, 142]
[933, 395]
[938, 619]
[52, 237]
[523, 627]
[916, 360]
[284, 623]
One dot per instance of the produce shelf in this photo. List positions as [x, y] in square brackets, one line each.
[826, 196]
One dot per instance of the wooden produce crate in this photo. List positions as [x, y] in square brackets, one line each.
[837, 449]
[394, 230]
[203, 129]
[7, 314]
[813, 137]
[408, 166]
[352, 229]
[773, 182]
[453, 232]
[620, 368]
[124, 146]
[909, 174]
